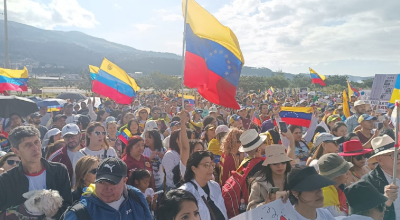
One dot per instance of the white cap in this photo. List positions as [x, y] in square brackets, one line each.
[52, 132]
[221, 128]
[70, 129]
[213, 109]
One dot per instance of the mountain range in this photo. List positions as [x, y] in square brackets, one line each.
[75, 50]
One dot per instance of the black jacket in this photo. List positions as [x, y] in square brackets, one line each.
[377, 178]
[14, 183]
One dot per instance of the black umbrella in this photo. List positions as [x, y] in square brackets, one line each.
[14, 104]
[71, 95]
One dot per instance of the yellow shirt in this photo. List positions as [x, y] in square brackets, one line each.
[214, 147]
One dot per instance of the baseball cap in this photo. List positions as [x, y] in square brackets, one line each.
[70, 129]
[322, 137]
[366, 117]
[234, 117]
[390, 105]
[35, 115]
[110, 119]
[174, 123]
[332, 118]
[221, 128]
[199, 111]
[112, 170]
[55, 118]
[83, 119]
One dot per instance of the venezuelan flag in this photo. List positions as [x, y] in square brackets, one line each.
[300, 116]
[271, 90]
[115, 83]
[352, 90]
[346, 106]
[317, 78]
[14, 80]
[396, 91]
[188, 98]
[213, 59]
[125, 135]
[93, 71]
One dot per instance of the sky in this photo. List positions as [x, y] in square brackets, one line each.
[347, 37]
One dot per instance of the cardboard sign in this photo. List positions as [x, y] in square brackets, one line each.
[303, 93]
[383, 86]
[276, 210]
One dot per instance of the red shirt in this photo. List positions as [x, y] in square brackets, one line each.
[226, 164]
[133, 164]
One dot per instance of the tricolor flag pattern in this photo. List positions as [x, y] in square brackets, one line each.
[317, 78]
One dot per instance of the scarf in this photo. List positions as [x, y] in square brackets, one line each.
[335, 197]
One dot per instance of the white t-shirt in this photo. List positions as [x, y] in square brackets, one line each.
[158, 169]
[37, 181]
[322, 214]
[70, 119]
[117, 203]
[100, 154]
[165, 142]
[182, 168]
[170, 160]
[314, 163]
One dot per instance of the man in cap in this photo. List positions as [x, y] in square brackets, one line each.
[59, 121]
[110, 197]
[35, 121]
[367, 124]
[382, 175]
[65, 155]
[365, 202]
[235, 121]
[359, 108]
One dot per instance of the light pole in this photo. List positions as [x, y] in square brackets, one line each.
[6, 58]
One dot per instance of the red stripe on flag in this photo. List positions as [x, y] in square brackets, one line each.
[107, 91]
[297, 121]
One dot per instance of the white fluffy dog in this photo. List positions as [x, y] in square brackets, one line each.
[39, 202]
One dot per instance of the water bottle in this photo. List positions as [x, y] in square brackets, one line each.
[243, 206]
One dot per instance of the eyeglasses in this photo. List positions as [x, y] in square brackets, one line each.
[276, 164]
[208, 165]
[142, 112]
[392, 156]
[11, 162]
[331, 141]
[157, 113]
[93, 171]
[360, 157]
[66, 137]
[97, 133]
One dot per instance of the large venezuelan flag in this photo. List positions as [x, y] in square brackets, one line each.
[317, 78]
[14, 80]
[300, 116]
[93, 71]
[213, 59]
[396, 91]
[113, 82]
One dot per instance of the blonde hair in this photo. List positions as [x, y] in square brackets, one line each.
[54, 147]
[82, 167]
[229, 143]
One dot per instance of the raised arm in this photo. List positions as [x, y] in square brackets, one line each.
[185, 147]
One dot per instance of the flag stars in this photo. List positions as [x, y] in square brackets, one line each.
[229, 67]
[215, 51]
[220, 52]
[226, 73]
[211, 54]
[226, 55]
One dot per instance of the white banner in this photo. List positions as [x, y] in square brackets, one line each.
[382, 87]
[303, 93]
[276, 210]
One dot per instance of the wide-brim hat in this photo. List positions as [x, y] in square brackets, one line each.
[358, 103]
[275, 154]
[381, 145]
[140, 109]
[307, 179]
[250, 140]
[363, 196]
[353, 148]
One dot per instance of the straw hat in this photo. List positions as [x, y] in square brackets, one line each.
[358, 103]
[250, 140]
[381, 145]
[142, 108]
[275, 154]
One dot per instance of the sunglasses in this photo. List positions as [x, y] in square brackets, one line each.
[276, 164]
[97, 133]
[93, 171]
[11, 162]
[360, 157]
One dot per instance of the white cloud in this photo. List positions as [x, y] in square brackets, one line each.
[169, 15]
[143, 27]
[172, 17]
[66, 13]
[279, 34]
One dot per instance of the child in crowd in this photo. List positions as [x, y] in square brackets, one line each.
[141, 180]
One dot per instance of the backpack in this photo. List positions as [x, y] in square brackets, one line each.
[235, 189]
[82, 213]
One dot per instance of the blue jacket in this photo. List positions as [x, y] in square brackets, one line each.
[129, 209]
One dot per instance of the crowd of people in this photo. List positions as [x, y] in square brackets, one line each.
[166, 158]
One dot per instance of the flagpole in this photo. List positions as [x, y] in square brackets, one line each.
[183, 51]
[396, 144]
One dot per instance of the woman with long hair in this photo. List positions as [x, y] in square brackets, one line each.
[102, 116]
[50, 137]
[85, 174]
[134, 129]
[231, 157]
[198, 181]
[54, 147]
[178, 204]
[171, 159]
[305, 193]
[142, 115]
[275, 168]
[354, 153]
[155, 151]
[209, 134]
[339, 129]
[96, 143]
[134, 158]
[125, 118]
[325, 143]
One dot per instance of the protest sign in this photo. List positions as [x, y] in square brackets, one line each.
[382, 87]
[303, 93]
[276, 210]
